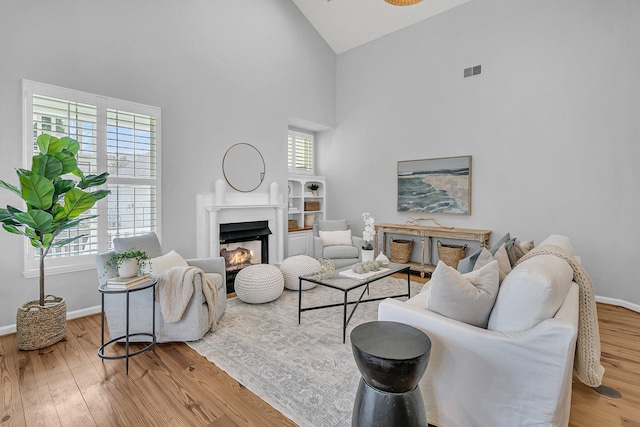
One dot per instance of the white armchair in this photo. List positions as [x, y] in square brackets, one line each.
[343, 254]
[195, 321]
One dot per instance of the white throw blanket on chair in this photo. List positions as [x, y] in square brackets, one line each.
[175, 289]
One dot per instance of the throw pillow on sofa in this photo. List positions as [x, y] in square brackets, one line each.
[521, 248]
[558, 240]
[501, 256]
[497, 245]
[531, 293]
[467, 298]
[467, 265]
[516, 249]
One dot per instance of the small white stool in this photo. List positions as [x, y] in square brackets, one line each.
[259, 283]
[299, 265]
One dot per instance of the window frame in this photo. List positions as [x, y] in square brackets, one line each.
[291, 132]
[102, 103]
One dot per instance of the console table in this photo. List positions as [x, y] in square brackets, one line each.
[427, 233]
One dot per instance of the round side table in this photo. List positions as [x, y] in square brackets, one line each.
[105, 290]
[392, 358]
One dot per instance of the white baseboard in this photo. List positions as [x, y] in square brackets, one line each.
[619, 303]
[11, 329]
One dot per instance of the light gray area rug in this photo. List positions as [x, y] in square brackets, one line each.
[304, 371]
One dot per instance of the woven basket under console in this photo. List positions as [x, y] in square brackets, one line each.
[451, 254]
[400, 250]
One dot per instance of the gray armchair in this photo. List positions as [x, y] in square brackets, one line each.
[195, 321]
[341, 255]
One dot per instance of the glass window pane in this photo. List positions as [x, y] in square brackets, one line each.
[131, 210]
[131, 144]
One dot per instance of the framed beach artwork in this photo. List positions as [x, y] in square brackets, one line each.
[435, 185]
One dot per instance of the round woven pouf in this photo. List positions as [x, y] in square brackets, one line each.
[259, 283]
[296, 266]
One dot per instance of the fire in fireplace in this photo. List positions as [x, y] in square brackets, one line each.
[241, 254]
[243, 244]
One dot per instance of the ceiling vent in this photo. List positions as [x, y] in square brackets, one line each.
[472, 71]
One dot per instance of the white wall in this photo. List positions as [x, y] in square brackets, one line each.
[222, 72]
[552, 124]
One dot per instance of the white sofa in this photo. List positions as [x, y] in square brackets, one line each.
[503, 375]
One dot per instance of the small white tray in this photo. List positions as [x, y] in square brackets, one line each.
[362, 276]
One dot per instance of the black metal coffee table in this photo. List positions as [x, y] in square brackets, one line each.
[346, 284]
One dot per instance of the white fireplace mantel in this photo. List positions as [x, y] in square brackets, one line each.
[210, 213]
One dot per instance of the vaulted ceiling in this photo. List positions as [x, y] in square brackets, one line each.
[345, 24]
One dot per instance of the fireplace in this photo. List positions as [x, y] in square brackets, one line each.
[243, 244]
[213, 212]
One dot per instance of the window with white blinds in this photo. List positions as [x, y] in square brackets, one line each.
[300, 152]
[60, 117]
[131, 160]
[117, 136]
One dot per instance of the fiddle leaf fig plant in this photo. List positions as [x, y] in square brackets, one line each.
[54, 201]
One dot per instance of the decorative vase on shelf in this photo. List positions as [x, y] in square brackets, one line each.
[367, 255]
[314, 192]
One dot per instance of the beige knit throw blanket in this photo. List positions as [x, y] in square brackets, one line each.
[175, 289]
[587, 360]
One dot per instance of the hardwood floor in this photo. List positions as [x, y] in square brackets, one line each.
[68, 385]
[620, 356]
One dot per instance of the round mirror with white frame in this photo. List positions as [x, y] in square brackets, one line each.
[243, 167]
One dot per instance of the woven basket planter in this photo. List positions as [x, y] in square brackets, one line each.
[451, 254]
[39, 327]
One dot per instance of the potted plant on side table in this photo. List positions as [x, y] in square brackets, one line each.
[130, 263]
[54, 203]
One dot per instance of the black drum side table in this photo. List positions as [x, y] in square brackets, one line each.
[392, 358]
[105, 290]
